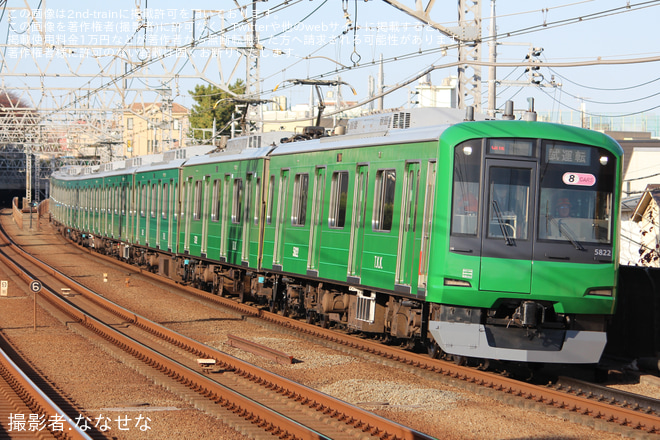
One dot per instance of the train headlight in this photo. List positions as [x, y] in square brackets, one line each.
[601, 292]
[457, 283]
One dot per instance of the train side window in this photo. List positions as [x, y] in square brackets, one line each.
[143, 201]
[269, 208]
[257, 204]
[467, 180]
[197, 207]
[299, 209]
[384, 200]
[215, 204]
[166, 200]
[154, 199]
[237, 202]
[338, 196]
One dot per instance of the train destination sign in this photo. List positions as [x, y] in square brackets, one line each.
[568, 154]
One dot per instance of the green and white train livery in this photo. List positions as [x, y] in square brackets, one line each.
[493, 239]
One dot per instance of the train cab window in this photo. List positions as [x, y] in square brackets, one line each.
[467, 181]
[269, 207]
[338, 196]
[299, 208]
[508, 202]
[237, 202]
[576, 194]
[384, 200]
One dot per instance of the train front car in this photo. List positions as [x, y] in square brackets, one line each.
[524, 260]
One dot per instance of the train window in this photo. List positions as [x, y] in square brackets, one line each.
[338, 196]
[197, 208]
[269, 208]
[124, 201]
[257, 205]
[238, 201]
[467, 180]
[576, 194]
[176, 189]
[166, 200]
[508, 205]
[215, 203]
[143, 201]
[384, 200]
[154, 199]
[299, 209]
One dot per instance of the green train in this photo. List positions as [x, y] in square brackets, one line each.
[488, 239]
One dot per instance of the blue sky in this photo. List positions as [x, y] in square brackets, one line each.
[309, 38]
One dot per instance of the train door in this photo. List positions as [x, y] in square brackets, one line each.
[225, 217]
[281, 214]
[357, 223]
[122, 211]
[247, 208]
[316, 223]
[188, 200]
[409, 196]
[157, 213]
[508, 220]
[169, 201]
[427, 223]
[205, 197]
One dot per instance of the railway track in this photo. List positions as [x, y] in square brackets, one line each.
[31, 413]
[253, 401]
[604, 414]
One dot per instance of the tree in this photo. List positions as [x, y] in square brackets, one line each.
[16, 118]
[212, 102]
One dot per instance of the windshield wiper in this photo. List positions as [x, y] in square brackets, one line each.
[503, 225]
[566, 231]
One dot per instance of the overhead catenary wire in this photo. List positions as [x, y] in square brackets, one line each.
[339, 67]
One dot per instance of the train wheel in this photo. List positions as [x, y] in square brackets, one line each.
[484, 364]
[460, 360]
[433, 349]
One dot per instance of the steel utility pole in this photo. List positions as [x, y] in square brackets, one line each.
[492, 58]
[468, 37]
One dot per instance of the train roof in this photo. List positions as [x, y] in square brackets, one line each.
[402, 136]
[230, 155]
[176, 158]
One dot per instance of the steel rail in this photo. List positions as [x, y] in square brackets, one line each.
[351, 415]
[544, 396]
[38, 402]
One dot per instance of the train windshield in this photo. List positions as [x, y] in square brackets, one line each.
[576, 194]
[553, 192]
